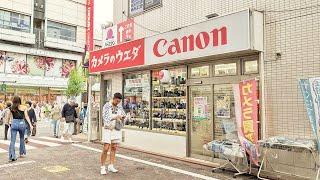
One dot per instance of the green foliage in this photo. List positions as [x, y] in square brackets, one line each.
[75, 83]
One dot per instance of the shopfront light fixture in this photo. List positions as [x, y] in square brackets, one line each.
[209, 16]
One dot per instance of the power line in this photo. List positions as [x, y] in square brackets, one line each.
[123, 12]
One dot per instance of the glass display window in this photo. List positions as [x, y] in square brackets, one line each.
[225, 69]
[251, 67]
[136, 101]
[169, 100]
[200, 71]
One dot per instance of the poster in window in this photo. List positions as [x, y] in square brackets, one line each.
[2, 61]
[16, 63]
[136, 7]
[36, 65]
[54, 70]
[148, 4]
[200, 108]
[223, 106]
[67, 66]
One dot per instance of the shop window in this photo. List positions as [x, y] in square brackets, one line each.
[225, 69]
[199, 72]
[137, 99]
[137, 7]
[14, 21]
[251, 67]
[169, 100]
[61, 31]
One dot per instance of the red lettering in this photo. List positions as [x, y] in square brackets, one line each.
[215, 36]
[185, 41]
[174, 47]
[156, 47]
[206, 39]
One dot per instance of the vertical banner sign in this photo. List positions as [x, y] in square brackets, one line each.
[109, 37]
[89, 25]
[310, 89]
[125, 31]
[246, 97]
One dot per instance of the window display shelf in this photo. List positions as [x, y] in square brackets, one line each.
[178, 97]
[170, 120]
[170, 110]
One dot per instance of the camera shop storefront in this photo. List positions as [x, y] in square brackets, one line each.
[180, 82]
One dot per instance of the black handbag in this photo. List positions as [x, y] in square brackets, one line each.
[69, 118]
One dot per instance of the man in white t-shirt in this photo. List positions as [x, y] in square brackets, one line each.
[113, 117]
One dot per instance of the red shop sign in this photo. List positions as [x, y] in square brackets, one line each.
[89, 24]
[121, 56]
[125, 31]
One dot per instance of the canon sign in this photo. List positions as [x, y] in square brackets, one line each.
[225, 34]
[190, 42]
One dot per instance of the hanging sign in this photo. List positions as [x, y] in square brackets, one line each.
[136, 7]
[125, 31]
[246, 107]
[89, 25]
[109, 37]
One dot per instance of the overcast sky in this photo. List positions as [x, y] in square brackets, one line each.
[103, 12]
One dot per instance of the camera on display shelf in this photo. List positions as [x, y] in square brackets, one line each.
[178, 80]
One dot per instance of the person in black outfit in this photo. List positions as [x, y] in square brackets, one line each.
[69, 115]
[32, 116]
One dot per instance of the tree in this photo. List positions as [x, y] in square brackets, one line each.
[75, 83]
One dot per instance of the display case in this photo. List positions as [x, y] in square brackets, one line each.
[169, 101]
[137, 100]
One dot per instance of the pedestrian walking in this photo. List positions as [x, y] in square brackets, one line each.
[56, 116]
[69, 116]
[6, 119]
[33, 117]
[83, 114]
[113, 118]
[18, 116]
[2, 108]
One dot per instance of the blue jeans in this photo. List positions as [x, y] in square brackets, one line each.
[18, 125]
[56, 129]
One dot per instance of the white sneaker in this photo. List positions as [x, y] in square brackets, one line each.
[112, 169]
[103, 170]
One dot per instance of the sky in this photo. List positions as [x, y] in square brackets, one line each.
[103, 12]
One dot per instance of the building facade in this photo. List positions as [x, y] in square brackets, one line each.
[273, 42]
[40, 43]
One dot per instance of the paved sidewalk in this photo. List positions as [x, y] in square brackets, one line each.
[156, 142]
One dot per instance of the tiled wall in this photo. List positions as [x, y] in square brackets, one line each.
[292, 29]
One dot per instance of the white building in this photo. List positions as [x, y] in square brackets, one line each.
[40, 42]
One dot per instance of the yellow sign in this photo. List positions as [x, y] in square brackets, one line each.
[56, 169]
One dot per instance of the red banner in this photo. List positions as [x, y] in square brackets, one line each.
[246, 102]
[125, 55]
[125, 31]
[89, 25]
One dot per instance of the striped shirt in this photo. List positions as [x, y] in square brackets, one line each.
[110, 112]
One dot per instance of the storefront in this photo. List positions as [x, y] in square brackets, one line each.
[180, 82]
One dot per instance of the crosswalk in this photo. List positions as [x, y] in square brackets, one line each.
[34, 143]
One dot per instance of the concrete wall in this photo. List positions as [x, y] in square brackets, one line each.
[292, 29]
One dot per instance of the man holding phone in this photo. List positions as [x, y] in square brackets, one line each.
[113, 118]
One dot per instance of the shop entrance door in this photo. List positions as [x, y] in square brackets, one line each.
[201, 122]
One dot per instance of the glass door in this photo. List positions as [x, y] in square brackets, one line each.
[224, 116]
[201, 128]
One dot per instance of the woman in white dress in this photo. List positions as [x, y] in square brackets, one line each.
[113, 117]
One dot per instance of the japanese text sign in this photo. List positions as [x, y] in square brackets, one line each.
[117, 57]
[246, 97]
[89, 24]
[125, 31]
